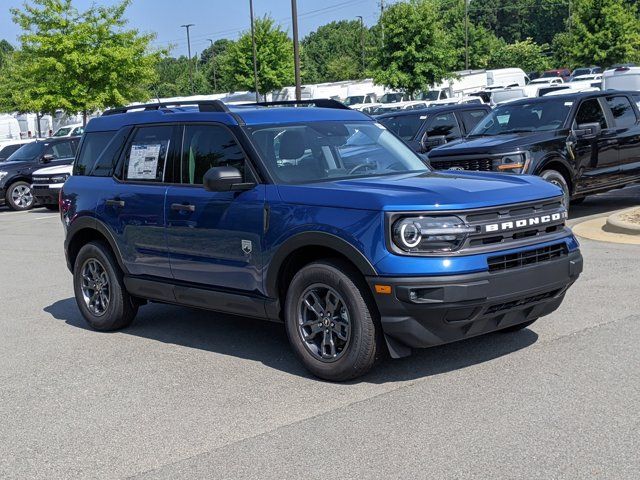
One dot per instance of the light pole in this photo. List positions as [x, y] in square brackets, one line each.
[362, 41]
[213, 61]
[188, 26]
[296, 49]
[253, 43]
[466, 34]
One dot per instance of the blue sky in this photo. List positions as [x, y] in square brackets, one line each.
[214, 18]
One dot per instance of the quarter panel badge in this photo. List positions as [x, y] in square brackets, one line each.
[247, 246]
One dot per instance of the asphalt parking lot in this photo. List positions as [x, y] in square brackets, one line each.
[190, 394]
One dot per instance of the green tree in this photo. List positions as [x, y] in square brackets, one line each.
[210, 63]
[481, 41]
[417, 51]
[604, 32]
[174, 79]
[516, 20]
[334, 52]
[76, 61]
[5, 50]
[274, 54]
[526, 55]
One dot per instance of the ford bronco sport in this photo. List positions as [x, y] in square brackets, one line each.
[311, 214]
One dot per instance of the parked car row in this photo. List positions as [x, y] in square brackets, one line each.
[17, 189]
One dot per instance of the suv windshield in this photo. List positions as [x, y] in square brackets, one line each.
[27, 152]
[317, 151]
[430, 95]
[391, 98]
[354, 100]
[523, 117]
[63, 132]
[405, 126]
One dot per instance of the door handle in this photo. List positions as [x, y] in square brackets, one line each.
[114, 202]
[183, 207]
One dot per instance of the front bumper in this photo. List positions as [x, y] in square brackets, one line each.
[46, 194]
[427, 311]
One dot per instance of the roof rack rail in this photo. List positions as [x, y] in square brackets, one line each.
[203, 106]
[318, 102]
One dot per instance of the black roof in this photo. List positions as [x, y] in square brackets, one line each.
[434, 110]
[571, 96]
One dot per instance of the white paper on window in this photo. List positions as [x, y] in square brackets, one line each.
[143, 161]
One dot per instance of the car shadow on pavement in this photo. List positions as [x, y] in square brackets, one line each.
[267, 342]
[605, 203]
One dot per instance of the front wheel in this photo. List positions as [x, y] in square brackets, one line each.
[557, 179]
[19, 196]
[331, 327]
[99, 289]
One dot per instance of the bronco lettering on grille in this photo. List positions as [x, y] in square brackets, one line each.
[525, 222]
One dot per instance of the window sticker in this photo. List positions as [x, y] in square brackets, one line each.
[143, 161]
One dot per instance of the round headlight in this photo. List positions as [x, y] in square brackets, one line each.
[410, 234]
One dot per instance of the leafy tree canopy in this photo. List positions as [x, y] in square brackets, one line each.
[417, 51]
[76, 61]
[274, 53]
[526, 55]
[604, 32]
[334, 52]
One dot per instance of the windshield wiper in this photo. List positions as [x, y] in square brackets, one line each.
[515, 130]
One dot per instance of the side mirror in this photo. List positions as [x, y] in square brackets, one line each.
[48, 158]
[588, 130]
[434, 141]
[224, 179]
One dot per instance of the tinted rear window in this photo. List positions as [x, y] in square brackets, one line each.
[92, 146]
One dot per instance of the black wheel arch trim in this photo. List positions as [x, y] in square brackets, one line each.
[91, 223]
[313, 239]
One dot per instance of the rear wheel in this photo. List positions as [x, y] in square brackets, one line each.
[555, 177]
[331, 327]
[99, 289]
[19, 196]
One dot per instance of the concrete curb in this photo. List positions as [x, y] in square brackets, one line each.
[621, 223]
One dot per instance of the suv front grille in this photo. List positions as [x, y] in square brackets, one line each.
[476, 164]
[521, 259]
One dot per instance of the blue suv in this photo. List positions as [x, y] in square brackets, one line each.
[313, 215]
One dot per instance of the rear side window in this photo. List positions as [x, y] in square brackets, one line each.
[207, 146]
[623, 114]
[591, 112]
[92, 146]
[443, 124]
[146, 155]
[470, 118]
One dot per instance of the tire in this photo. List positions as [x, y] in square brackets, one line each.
[51, 206]
[342, 314]
[19, 196]
[552, 176]
[517, 328]
[94, 267]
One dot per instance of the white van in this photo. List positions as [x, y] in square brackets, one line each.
[9, 128]
[622, 78]
[507, 77]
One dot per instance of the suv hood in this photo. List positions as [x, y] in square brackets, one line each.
[422, 191]
[492, 144]
[54, 170]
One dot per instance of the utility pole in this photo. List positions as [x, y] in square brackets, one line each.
[188, 26]
[466, 34]
[382, 24]
[255, 59]
[296, 49]
[213, 62]
[362, 41]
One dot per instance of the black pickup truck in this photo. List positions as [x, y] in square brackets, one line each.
[584, 142]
